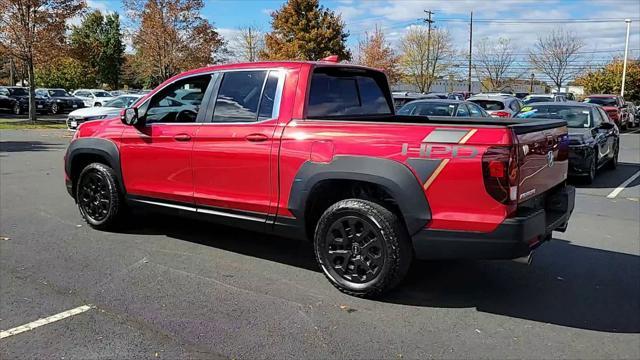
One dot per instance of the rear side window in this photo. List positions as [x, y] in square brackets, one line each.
[489, 104]
[246, 96]
[343, 92]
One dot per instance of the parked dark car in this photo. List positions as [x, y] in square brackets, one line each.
[16, 99]
[522, 95]
[614, 105]
[59, 100]
[443, 107]
[594, 139]
[402, 97]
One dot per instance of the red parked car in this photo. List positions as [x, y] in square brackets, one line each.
[615, 107]
[314, 150]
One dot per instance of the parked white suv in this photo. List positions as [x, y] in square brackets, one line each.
[93, 97]
[534, 98]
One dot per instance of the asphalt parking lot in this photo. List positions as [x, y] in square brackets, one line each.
[175, 288]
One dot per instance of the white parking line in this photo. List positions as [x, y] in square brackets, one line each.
[48, 320]
[619, 189]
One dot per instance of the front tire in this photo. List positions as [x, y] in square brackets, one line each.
[98, 196]
[613, 163]
[362, 247]
[54, 109]
[593, 168]
[17, 109]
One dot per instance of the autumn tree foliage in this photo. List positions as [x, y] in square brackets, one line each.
[425, 58]
[608, 80]
[375, 51]
[304, 30]
[172, 37]
[31, 30]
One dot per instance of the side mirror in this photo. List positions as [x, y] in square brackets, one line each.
[129, 116]
[606, 126]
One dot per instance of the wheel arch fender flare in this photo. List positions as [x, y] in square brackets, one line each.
[396, 178]
[103, 148]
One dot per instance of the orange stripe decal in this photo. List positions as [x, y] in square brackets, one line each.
[469, 135]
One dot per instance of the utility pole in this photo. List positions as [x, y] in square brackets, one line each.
[531, 88]
[429, 21]
[626, 49]
[470, 50]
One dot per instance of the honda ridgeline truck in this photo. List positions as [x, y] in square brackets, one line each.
[314, 150]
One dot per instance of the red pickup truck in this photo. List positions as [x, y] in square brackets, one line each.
[313, 150]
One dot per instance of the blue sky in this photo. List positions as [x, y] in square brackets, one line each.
[605, 39]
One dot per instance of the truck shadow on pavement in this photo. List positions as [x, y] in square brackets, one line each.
[22, 146]
[609, 178]
[567, 284]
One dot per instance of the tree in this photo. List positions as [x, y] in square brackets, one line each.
[375, 51]
[304, 30]
[97, 42]
[556, 55]
[248, 44]
[64, 72]
[31, 28]
[494, 62]
[608, 80]
[420, 65]
[172, 37]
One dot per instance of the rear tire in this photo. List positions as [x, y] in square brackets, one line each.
[17, 110]
[99, 198]
[362, 247]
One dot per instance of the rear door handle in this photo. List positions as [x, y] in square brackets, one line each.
[257, 137]
[182, 137]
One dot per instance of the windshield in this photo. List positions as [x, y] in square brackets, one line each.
[428, 109]
[536, 99]
[575, 116]
[121, 102]
[489, 104]
[602, 101]
[18, 91]
[101, 94]
[58, 92]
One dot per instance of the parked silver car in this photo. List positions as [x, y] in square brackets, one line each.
[497, 105]
[111, 108]
[93, 97]
[535, 98]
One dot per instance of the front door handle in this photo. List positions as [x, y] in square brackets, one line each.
[257, 137]
[182, 137]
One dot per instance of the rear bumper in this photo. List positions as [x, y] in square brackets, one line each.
[514, 238]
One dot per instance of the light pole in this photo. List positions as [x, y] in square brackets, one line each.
[626, 49]
[531, 87]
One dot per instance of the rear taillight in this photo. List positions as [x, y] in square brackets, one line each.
[502, 114]
[500, 173]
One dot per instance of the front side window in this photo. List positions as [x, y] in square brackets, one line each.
[58, 93]
[18, 91]
[239, 96]
[168, 105]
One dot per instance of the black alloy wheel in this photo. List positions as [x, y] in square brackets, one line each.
[93, 196]
[355, 250]
[54, 108]
[98, 196]
[362, 247]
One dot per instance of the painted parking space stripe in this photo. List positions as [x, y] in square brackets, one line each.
[44, 321]
[619, 189]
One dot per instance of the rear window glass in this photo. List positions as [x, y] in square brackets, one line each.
[537, 99]
[602, 101]
[340, 92]
[575, 116]
[428, 109]
[489, 104]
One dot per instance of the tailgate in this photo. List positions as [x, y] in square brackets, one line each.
[543, 160]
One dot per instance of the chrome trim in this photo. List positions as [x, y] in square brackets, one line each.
[180, 207]
[226, 214]
[204, 211]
